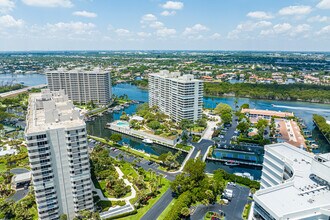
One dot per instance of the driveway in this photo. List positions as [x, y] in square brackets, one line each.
[233, 210]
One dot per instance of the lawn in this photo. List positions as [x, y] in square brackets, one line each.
[166, 211]
[246, 211]
[3, 167]
[128, 170]
[142, 211]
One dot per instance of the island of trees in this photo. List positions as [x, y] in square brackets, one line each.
[323, 126]
[293, 92]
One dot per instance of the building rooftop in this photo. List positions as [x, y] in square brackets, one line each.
[176, 76]
[51, 110]
[95, 70]
[22, 177]
[308, 189]
[267, 112]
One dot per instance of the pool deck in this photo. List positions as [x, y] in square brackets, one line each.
[142, 135]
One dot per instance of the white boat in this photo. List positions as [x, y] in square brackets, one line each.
[147, 141]
[231, 163]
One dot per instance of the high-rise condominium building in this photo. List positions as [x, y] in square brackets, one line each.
[180, 97]
[81, 85]
[57, 148]
[295, 184]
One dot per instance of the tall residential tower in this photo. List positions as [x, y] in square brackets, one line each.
[180, 97]
[81, 85]
[57, 148]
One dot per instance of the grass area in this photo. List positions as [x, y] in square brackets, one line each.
[246, 211]
[128, 170]
[183, 147]
[166, 211]
[142, 211]
[33, 210]
[3, 167]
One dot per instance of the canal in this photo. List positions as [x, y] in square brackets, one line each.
[303, 110]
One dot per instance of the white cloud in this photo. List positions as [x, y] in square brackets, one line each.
[168, 13]
[215, 36]
[148, 17]
[247, 27]
[143, 34]
[165, 32]
[156, 25]
[122, 32]
[173, 5]
[85, 14]
[49, 3]
[196, 29]
[77, 28]
[295, 10]
[6, 6]
[318, 18]
[287, 29]
[8, 21]
[259, 15]
[323, 4]
[282, 28]
[324, 30]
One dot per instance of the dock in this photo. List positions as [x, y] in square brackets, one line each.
[233, 160]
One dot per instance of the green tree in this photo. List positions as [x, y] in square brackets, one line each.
[226, 118]
[116, 137]
[243, 127]
[222, 109]
[63, 217]
[195, 169]
[185, 211]
[154, 125]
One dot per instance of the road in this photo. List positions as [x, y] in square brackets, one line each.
[159, 206]
[18, 91]
[233, 210]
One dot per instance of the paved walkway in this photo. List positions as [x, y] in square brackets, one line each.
[127, 183]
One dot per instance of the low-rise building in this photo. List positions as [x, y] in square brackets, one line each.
[295, 184]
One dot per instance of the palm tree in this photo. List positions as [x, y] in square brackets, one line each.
[150, 171]
[185, 212]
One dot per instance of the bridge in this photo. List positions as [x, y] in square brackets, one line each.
[19, 91]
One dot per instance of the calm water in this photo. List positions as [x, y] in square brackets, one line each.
[32, 79]
[303, 110]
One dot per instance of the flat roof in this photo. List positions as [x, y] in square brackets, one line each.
[267, 112]
[176, 76]
[51, 110]
[299, 193]
[95, 70]
[22, 177]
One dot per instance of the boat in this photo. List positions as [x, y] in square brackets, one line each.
[147, 141]
[232, 163]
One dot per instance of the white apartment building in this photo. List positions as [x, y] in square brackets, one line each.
[180, 97]
[81, 85]
[295, 184]
[57, 147]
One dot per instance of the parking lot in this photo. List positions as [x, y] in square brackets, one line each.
[233, 210]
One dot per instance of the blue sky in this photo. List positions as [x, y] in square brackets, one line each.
[300, 25]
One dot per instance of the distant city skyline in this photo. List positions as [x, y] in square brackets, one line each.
[165, 25]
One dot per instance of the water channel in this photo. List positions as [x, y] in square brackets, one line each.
[303, 110]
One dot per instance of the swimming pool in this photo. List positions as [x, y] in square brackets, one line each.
[122, 124]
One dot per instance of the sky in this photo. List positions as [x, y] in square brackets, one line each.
[281, 25]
